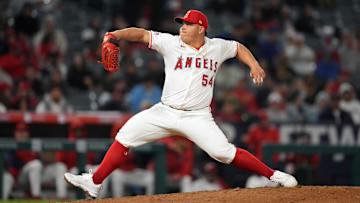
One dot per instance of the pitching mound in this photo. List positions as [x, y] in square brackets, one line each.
[299, 194]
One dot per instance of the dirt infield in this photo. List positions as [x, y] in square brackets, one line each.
[299, 194]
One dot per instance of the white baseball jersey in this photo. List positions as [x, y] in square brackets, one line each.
[190, 73]
[189, 83]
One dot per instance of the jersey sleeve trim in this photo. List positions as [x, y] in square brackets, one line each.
[150, 41]
[237, 48]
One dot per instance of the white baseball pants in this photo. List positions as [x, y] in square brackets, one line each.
[162, 121]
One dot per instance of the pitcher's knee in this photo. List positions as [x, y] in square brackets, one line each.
[224, 155]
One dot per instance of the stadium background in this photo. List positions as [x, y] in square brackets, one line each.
[309, 49]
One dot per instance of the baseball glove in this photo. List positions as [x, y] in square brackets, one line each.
[110, 53]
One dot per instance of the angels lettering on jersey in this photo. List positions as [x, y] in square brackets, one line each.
[190, 72]
[205, 63]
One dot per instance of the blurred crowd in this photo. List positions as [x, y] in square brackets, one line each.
[311, 67]
[39, 73]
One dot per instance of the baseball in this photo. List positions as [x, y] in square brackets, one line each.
[261, 80]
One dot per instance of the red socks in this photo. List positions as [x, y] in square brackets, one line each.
[117, 154]
[246, 161]
[114, 157]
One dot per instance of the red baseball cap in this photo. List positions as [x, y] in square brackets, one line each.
[194, 16]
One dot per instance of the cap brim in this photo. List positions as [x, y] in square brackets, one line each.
[179, 20]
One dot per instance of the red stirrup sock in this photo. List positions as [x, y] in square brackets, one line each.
[246, 161]
[114, 157]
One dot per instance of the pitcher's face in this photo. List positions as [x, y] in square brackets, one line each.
[189, 32]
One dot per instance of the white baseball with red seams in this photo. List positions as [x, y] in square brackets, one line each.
[190, 73]
[186, 97]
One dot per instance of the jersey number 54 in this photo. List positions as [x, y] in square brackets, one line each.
[207, 81]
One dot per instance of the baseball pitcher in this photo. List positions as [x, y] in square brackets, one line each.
[191, 63]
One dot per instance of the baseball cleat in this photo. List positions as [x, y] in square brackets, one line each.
[84, 182]
[284, 179]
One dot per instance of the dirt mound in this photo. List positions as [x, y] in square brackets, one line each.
[299, 194]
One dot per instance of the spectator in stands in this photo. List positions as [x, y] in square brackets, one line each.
[299, 111]
[144, 95]
[263, 91]
[53, 61]
[54, 102]
[312, 88]
[261, 133]
[242, 32]
[26, 21]
[131, 75]
[79, 76]
[210, 180]
[91, 37]
[299, 85]
[23, 167]
[258, 19]
[300, 56]
[92, 55]
[349, 53]
[32, 77]
[271, 46]
[333, 113]
[329, 45]
[245, 97]
[24, 99]
[156, 71]
[324, 96]
[230, 110]
[327, 68]
[117, 102]
[286, 19]
[283, 72]
[276, 109]
[48, 47]
[19, 54]
[91, 34]
[228, 77]
[50, 30]
[306, 22]
[57, 79]
[349, 103]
